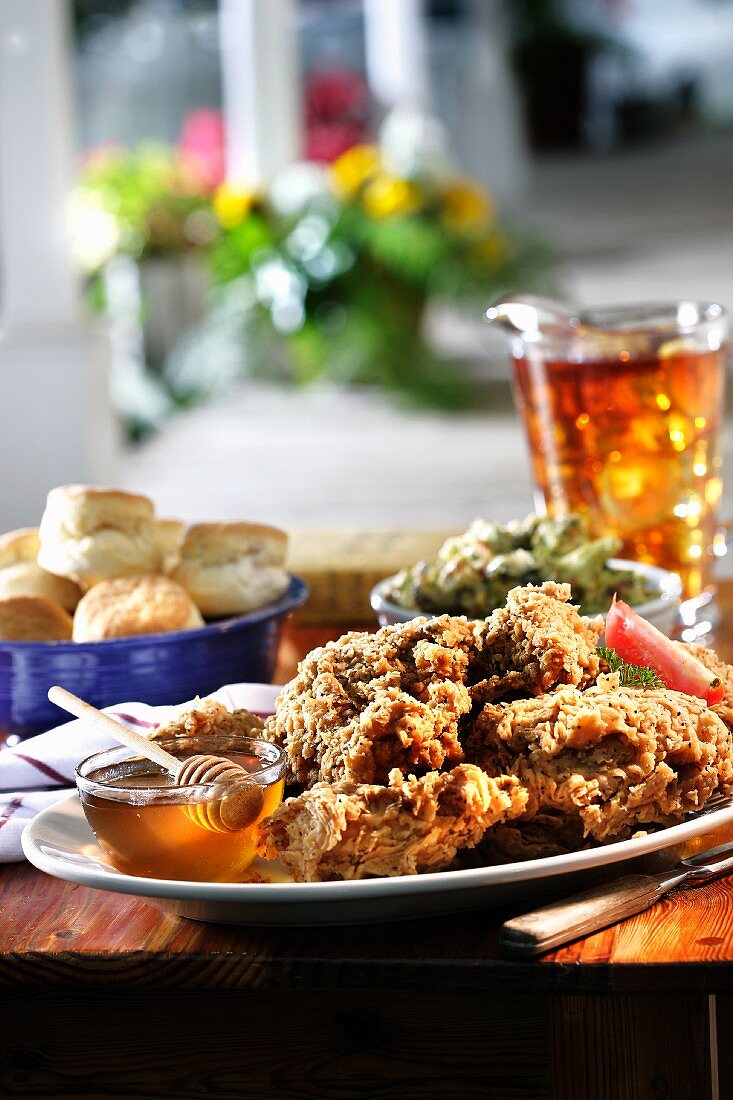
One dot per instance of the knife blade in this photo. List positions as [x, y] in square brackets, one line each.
[571, 918]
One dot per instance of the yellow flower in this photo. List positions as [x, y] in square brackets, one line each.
[466, 208]
[232, 206]
[387, 195]
[353, 168]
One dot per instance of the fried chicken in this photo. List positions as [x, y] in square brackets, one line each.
[713, 663]
[548, 833]
[351, 831]
[616, 758]
[534, 643]
[207, 718]
[368, 703]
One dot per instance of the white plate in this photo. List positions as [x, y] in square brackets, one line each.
[60, 842]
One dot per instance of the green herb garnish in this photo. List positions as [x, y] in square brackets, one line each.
[634, 676]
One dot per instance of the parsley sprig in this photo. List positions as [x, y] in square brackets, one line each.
[634, 676]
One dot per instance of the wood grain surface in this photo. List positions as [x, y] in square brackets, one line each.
[420, 1008]
[263, 1044]
[665, 1040]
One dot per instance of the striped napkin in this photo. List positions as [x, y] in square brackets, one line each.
[40, 771]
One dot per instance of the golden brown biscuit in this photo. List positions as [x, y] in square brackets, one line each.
[91, 534]
[232, 568]
[33, 619]
[20, 545]
[21, 575]
[147, 604]
[169, 536]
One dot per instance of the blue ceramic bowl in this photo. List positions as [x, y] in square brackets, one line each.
[148, 668]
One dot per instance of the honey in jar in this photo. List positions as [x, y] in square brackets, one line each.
[143, 820]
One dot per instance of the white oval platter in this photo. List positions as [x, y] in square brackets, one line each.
[60, 842]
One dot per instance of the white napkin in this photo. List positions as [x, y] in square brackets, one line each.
[40, 771]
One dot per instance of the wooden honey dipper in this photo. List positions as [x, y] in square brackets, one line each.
[242, 799]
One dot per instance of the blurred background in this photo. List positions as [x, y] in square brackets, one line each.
[245, 245]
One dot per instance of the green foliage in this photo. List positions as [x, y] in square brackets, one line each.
[140, 202]
[228, 261]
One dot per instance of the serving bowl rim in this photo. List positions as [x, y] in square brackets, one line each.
[667, 583]
[295, 595]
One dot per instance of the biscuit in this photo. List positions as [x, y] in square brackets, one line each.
[33, 619]
[169, 536]
[21, 575]
[17, 546]
[233, 568]
[146, 604]
[91, 534]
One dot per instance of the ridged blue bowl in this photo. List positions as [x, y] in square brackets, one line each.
[148, 668]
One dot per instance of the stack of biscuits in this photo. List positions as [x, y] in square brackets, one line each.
[102, 565]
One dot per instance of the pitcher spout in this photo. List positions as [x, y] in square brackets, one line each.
[532, 316]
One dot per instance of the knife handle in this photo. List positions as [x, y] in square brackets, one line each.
[565, 920]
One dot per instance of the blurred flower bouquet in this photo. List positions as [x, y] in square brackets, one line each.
[148, 201]
[141, 220]
[329, 274]
[341, 262]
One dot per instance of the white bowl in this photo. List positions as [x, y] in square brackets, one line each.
[661, 611]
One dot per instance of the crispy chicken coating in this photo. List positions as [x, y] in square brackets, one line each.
[616, 758]
[351, 831]
[712, 661]
[368, 703]
[534, 643]
[206, 718]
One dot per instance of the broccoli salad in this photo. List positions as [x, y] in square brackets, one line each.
[474, 571]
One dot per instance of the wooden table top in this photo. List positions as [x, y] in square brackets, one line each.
[54, 932]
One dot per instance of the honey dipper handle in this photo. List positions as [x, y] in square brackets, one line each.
[149, 749]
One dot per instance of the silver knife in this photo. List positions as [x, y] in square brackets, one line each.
[577, 916]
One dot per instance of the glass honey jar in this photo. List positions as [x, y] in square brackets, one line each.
[151, 827]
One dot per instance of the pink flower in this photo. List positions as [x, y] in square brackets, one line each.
[336, 113]
[201, 146]
[335, 96]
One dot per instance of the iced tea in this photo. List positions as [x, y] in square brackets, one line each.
[629, 439]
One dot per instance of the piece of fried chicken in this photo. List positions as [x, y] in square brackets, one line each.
[536, 642]
[618, 759]
[209, 718]
[351, 831]
[368, 703]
